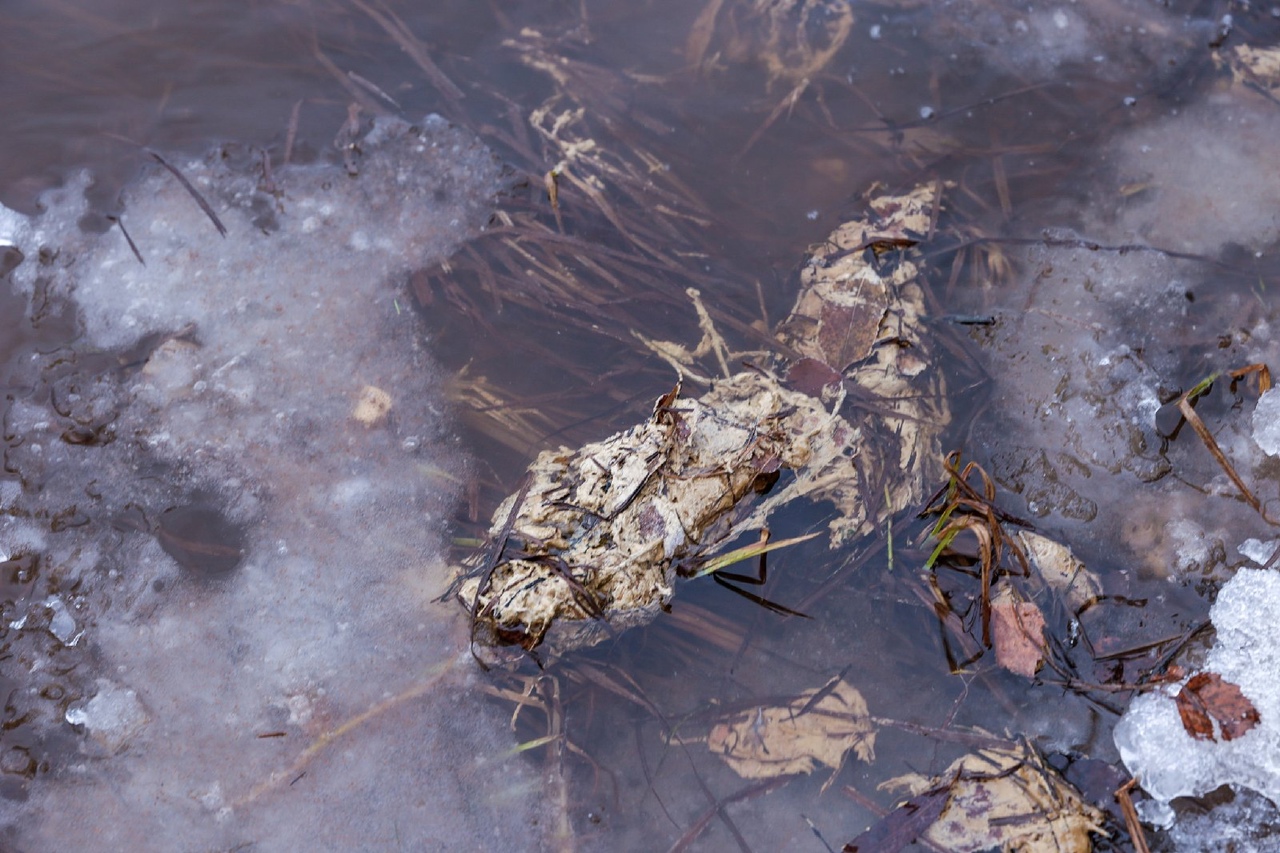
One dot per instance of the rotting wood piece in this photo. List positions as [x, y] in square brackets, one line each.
[598, 538]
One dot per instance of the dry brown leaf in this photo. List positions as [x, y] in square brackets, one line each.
[1205, 699]
[1017, 632]
[1007, 798]
[819, 726]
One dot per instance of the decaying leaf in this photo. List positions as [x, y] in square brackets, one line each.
[820, 726]
[1061, 570]
[595, 544]
[1253, 66]
[1207, 699]
[904, 825]
[844, 293]
[1017, 632]
[1006, 798]
[373, 406]
[792, 39]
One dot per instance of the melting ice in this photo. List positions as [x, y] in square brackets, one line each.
[1156, 747]
[229, 491]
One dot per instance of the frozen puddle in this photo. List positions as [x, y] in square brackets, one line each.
[230, 518]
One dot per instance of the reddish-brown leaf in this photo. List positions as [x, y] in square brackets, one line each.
[809, 376]
[1207, 699]
[1017, 632]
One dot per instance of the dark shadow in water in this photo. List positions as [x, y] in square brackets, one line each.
[201, 540]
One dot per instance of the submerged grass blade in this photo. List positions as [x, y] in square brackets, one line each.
[1201, 387]
[533, 744]
[888, 524]
[746, 553]
[942, 545]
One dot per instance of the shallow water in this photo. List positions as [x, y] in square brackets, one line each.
[1094, 120]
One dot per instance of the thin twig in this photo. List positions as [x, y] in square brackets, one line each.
[182, 179]
[298, 768]
[133, 246]
[492, 559]
[1188, 412]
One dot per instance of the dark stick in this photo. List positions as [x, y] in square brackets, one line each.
[182, 179]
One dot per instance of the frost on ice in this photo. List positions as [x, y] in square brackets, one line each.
[236, 476]
[1266, 422]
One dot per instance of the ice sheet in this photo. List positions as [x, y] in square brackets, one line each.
[251, 556]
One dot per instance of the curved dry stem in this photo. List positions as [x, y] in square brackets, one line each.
[321, 743]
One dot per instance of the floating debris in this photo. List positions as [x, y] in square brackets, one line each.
[372, 406]
[792, 39]
[593, 545]
[1255, 67]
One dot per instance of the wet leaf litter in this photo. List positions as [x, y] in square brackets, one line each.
[605, 536]
[1026, 605]
[599, 535]
[823, 726]
[594, 542]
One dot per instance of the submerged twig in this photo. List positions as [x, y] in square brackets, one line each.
[374, 88]
[409, 43]
[1136, 834]
[299, 766]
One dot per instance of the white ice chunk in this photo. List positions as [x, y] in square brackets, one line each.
[1192, 546]
[1157, 749]
[1257, 550]
[13, 228]
[62, 624]
[1266, 422]
[113, 717]
[20, 537]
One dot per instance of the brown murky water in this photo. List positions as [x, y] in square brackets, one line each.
[1021, 109]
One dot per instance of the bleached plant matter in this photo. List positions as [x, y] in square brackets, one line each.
[848, 410]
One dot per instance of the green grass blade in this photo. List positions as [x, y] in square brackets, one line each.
[737, 555]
